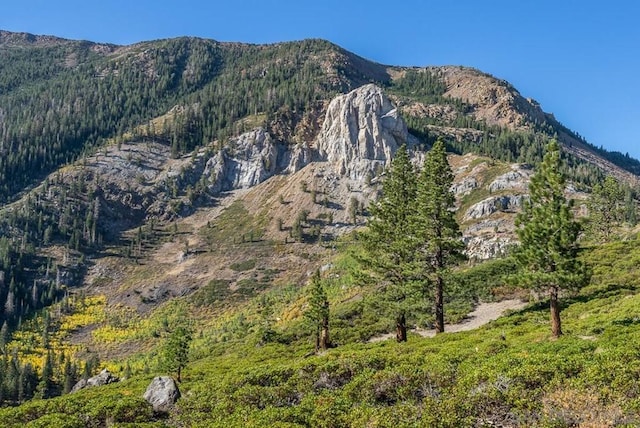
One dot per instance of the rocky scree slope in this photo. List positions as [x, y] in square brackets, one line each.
[495, 102]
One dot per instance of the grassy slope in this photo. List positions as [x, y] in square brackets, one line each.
[508, 372]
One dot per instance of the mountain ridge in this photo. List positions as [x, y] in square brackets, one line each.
[350, 66]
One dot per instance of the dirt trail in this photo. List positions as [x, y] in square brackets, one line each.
[483, 314]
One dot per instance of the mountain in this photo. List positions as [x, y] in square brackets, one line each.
[222, 174]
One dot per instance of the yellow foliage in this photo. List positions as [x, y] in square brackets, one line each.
[294, 311]
[28, 342]
[92, 312]
[109, 334]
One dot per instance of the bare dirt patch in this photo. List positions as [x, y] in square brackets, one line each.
[483, 314]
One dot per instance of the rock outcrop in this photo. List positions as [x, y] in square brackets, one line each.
[103, 378]
[516, 179]
[494, 101]
[465, 186]
[360, 133]
[493, 204]
[488, 247]
[162, 393]
[248, 160]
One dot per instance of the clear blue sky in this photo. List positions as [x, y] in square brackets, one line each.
[579, 59]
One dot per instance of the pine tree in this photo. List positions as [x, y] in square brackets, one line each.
[318, 313]
[70, 376]
[438, 231]
[389, 242]
[28, 382]
[12, 379]
[176, 348]
[630, 207]
[548, 237]
[606, 209]
[45, 388]
[4, 334]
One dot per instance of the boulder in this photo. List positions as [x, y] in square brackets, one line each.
[162, 393]
[103, 378]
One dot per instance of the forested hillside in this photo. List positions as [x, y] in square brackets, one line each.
[57, 102]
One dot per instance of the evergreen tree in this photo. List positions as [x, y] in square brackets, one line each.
[176, 348]
[4, 334]
[28, 382]
[631, 207]
[46, 386]
[11, 379]
[606, 209]
[548, 237]
[389, 242]
[70, 376]
[318, 313]
[438, 231]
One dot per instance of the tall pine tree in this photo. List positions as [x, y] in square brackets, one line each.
[548, 237]
[606, 209]
[389, 242]
[318, 313]
[175, 353]
[437, 229]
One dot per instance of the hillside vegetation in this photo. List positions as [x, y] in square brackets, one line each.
[507, 373]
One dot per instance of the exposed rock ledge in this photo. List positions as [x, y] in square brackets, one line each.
[493, 204]
[361, 132]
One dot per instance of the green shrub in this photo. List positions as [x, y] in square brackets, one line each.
[243, 265]
[57, 420]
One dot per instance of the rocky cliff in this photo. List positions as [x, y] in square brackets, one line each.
[360, 133]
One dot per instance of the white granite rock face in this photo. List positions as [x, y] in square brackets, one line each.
[488, 247]
[250, 159]
[360, 133]
[464, 187]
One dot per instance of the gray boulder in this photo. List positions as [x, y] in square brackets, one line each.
[162, 393]
[103, 378]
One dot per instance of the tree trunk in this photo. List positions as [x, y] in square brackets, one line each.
[556, 328]
[439, 305]
[401, 328]
[324, 334]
